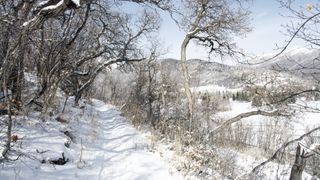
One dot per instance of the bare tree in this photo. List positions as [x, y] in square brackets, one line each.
[121, 47]
[211, 24]
[65, 42]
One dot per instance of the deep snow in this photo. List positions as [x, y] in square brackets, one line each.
[107, 147]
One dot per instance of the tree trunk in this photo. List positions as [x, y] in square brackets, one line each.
[150, 109]
[299, 165]
[19, 74]
[9, 132]
[65, 103]
[77, 97]
[9, 123]
[4, 46]
[186, 78]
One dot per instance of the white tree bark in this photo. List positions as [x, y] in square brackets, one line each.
[186, 78]
[194, 29]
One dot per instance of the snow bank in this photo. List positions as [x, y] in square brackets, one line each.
[214, 88]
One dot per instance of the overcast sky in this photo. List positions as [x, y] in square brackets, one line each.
[267, 31]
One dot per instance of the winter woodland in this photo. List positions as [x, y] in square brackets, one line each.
[87, 91]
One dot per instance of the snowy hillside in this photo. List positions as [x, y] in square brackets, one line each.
[205, 73]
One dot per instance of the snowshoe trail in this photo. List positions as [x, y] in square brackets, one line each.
[124, 154]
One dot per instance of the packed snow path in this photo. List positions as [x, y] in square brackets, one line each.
[123, 151]
[110, 149]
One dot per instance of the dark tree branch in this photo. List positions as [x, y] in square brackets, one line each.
[281, 149]
[81, 27]
[289, 42]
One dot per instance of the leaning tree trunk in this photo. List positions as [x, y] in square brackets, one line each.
[194, 29]
[299, 165]
[185, 74]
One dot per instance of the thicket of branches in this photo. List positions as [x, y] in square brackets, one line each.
[65, 44]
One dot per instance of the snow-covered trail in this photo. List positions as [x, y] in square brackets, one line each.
[122, 153]
[110, 149]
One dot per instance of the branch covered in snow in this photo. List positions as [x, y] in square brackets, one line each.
[241, 116]
[49, 9]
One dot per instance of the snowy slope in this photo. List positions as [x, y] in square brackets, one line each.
[106, 147]
[204, 73]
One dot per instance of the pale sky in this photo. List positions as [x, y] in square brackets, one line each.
[267, 31]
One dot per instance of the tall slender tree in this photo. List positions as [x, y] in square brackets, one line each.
[211, 24]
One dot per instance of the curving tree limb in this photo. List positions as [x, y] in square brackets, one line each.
[281, 149]
[241, 116]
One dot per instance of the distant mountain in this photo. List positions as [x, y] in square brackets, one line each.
[203, 73]
[304, 62]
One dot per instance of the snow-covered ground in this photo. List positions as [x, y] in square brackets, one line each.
[300, 122]
[214, 88]
[242, 161]
[105, 147]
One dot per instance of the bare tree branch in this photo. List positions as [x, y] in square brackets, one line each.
[242, 116]
[289, 42]
[281, 149]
